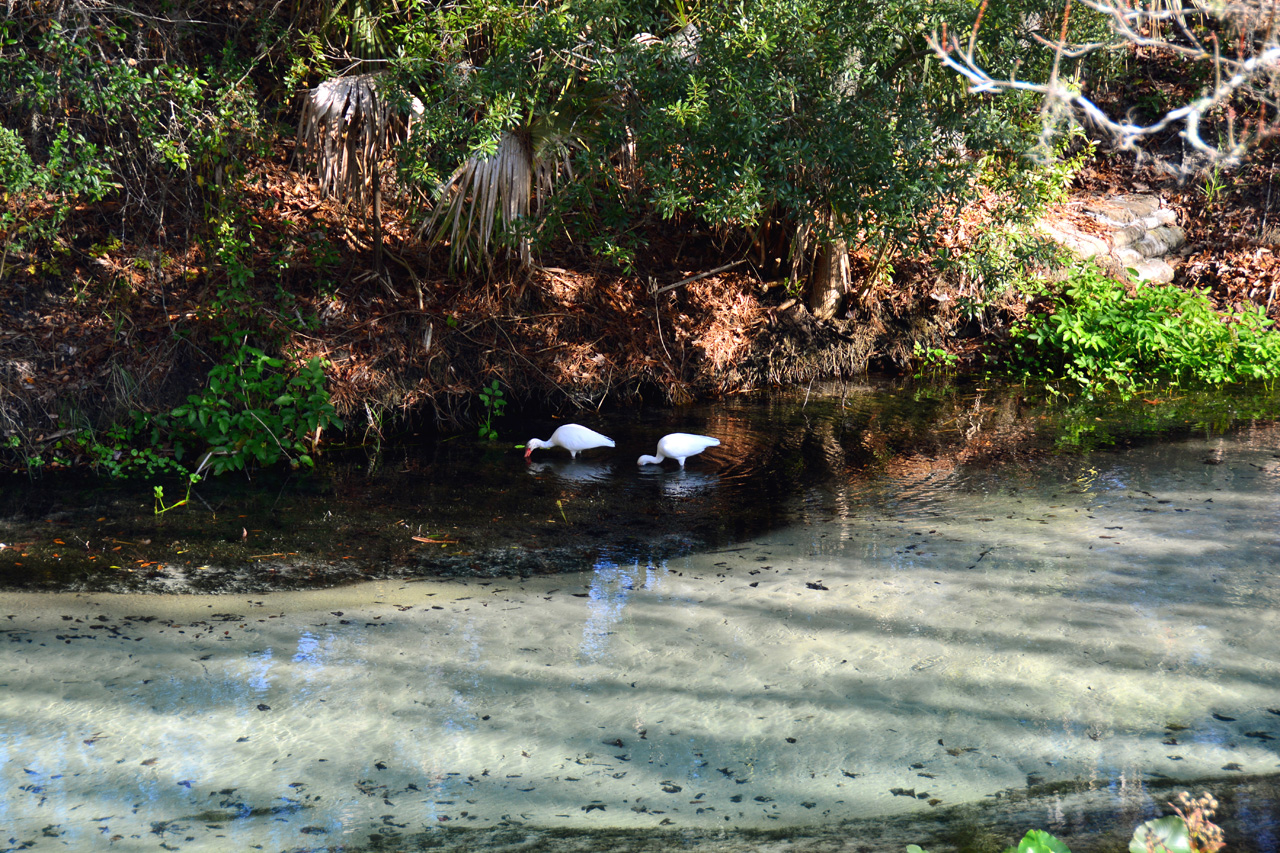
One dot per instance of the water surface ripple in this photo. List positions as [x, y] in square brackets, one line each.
[903, 646]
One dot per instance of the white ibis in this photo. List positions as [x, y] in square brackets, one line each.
[571, 437]
[679, 446]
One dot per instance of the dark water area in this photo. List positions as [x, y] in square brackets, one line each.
[454, 506]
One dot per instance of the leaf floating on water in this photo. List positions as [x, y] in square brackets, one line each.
[1176, 727]
[791, 740]
[590, 807]
[1260, 735]
[149, 762]
[903, 792]
[1275, 711]
[816, 585]
[1223, 718]
[808, 805]
[244, 739]
[960, 750]
[262, 707]
[313, 830]
[671, 788]
[380, 765]
[615, 742]
[1233, 766]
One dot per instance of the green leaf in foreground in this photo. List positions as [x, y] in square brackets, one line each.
[1164, 835]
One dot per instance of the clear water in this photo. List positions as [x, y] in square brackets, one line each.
[1081, 635]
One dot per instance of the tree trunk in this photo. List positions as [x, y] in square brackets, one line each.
[830, 282]
[376, 215]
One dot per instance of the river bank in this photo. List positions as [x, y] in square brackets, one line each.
[109, 329]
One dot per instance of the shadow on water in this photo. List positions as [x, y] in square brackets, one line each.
[439, 506]
[972, 612]
[457, 507]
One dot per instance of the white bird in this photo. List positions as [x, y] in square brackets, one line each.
[679, 446]
[571, 437]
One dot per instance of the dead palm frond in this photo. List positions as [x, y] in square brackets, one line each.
[495, 195]
[345, 129]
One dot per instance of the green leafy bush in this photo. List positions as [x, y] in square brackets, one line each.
[100, 117]
[1100, 333]
[254, 413]
[820, 120]
[38, 199]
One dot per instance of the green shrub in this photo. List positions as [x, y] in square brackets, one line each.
[96, 120]
[1099, 333]
[254, 413]
[821, 120]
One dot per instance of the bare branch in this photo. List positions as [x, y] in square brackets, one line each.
[1190, 32]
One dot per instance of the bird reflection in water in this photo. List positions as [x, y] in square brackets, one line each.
[682, 483]
[571, 472]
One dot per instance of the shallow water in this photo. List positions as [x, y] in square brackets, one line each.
[1080, 635]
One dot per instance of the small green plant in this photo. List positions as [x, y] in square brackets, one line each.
[161, 509]
[134, 449]
[933, 358]
[1190, 830]
[492, 398]
[1214, 186]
